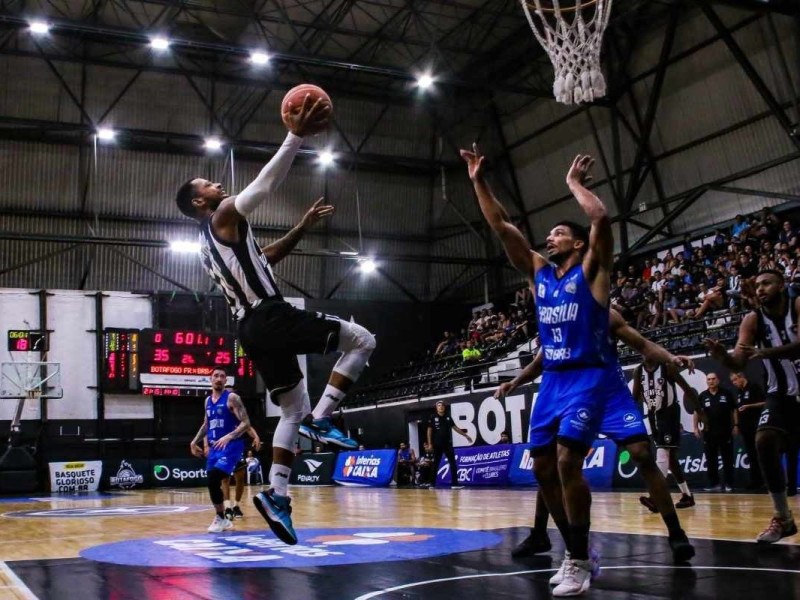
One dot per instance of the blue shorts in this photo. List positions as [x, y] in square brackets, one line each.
[577, 405]
[225, 460]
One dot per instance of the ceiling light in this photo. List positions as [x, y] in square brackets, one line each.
[213, 143]
[348, 253]
[106, 134]
[159, 43]
[259, 58]
[185, 247]
[326, 158]
[39, 27]
[367, 265]
[425, 81]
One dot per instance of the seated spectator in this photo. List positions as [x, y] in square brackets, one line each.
[711, 298]
[672, 309]
[720, 240]
[447, 346]
[252, 462]
[424, 466]
[788, 234]
[505, 438]
[740, 227]
[406, 465]
[523, 297]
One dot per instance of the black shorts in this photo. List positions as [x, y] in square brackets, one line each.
[276, 332]
[667, 430]
[781, 413]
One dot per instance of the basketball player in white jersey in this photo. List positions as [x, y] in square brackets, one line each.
[272, 331]
[654, 386]
[769, 334]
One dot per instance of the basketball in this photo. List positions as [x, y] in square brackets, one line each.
[297, 95]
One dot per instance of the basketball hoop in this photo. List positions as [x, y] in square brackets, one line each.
[573, 45]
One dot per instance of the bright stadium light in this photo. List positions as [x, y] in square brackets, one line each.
[348, 253]
[326, 158]
[39, 27]
[425, 81]
[213, 144]
[159, 43]
[259, 58]
[181, 247]
[367, 265]
[105, 134]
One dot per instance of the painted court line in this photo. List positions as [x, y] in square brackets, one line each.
[16, 582]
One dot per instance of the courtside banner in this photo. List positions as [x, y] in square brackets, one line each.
[481, 465]
[367, 467]
[76, 476]
[598, 466]
[178, 472]
[313, 469]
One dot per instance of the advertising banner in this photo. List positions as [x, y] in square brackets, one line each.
[313, 469]
[480, 465]
[367, 467]
[77, 476]
[598, 466]
[126, 474]
[179, 472]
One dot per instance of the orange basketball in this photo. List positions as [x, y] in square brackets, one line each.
[296, 96]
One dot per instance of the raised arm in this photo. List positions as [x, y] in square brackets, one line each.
[600, 255]
[736, 360]
[690, 396]
[280, 249]
[517, 248]
[236, 406]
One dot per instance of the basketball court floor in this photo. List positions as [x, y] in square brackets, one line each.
[360, 543]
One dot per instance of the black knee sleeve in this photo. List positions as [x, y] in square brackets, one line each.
[215, 479]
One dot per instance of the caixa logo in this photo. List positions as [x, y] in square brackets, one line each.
[163, 473]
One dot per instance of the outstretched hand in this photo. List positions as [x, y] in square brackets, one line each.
[683, 362]
[715, 348]
[474, 162]
[317, 212]
[579, 172]
[310, 118]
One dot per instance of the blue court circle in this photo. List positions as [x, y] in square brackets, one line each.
[316, 548]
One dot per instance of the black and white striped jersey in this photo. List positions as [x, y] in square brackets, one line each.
[779, 373]
[240, 270]
[658, 391]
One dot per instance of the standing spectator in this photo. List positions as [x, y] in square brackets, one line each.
[717, 434]
[504, 438]
[740, 227]
[750, 401]
[471, 357]
[440, 438]
[788, 234]
[447, 346]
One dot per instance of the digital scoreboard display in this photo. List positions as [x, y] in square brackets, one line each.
[26, 340]
[121, 360]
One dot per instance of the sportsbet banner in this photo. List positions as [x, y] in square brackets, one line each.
[313, 469]
[179, 472]
[367, 467]
[78, 476]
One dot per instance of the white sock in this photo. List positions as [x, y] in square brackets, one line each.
[227, 503]
[234, 503]
[329, 401]
[279, 478]
[684, 487]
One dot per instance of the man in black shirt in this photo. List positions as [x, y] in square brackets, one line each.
[750, 401]
[718, 408]
[424, 466]
[440, 439]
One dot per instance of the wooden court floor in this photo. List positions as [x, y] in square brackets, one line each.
[146, 544]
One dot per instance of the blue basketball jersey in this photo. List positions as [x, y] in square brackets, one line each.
[221, 421]
[573, 326]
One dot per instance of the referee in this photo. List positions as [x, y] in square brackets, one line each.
[440, 439]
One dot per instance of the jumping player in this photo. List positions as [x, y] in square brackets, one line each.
[769, 334]
[224, 423]
[583, 390]
[538, 540]
[271, 330]
[654, 385]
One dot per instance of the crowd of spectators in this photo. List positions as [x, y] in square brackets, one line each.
[714, 276]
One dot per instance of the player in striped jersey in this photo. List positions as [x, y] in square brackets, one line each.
[272, 331]
[654, 385]
[769, 334]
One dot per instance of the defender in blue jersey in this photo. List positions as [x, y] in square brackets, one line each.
[224, 424]
[582, 388]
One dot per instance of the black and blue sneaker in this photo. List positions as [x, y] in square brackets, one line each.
[277, 511]
[322, 430]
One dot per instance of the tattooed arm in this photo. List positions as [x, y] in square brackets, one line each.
[236, 406]
[194, 445]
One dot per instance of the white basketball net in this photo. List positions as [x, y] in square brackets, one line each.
[573, 46]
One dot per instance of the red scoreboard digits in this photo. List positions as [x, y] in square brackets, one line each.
[181, 352]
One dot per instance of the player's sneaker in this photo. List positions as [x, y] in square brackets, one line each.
[682, 549]
[456, 487]
[322, 430]
[577, 578]
[778, 528]
[229, 514]
[237, 512]
[536, 543]
[686, 501]
[648, 503]
[594, 562]
[277, 511]
[219, 524]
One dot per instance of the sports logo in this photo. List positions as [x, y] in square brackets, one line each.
[629, 417]
[312, 464]
[584, 415]
[626, 468]
[571, 287]
[317, 547]
[106, 511]
[667, 438]
[362, 466]
[161, 472]
[126, 477]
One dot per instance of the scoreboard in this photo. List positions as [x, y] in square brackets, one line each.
[174, 362]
